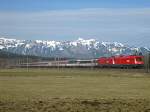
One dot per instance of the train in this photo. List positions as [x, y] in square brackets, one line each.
[60, 64]
[122, 61]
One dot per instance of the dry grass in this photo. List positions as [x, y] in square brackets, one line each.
[53, 87]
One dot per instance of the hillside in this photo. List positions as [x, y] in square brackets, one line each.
[80, 48]
[8, 59]
[9, 55]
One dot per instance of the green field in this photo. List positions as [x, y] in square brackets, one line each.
[66, 90]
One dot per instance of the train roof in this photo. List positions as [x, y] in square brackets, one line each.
[123, 56]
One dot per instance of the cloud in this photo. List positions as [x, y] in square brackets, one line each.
[127, 25]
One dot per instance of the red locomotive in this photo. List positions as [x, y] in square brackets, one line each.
[121, 61]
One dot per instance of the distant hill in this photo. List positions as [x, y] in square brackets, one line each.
[5, 54]
[9, 55]
[8, 59]
[80, 48]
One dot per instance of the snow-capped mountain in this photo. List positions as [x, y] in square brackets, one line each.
[80, 48]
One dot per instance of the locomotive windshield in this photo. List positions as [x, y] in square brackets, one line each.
[139, 59]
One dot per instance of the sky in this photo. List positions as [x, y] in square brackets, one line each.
[125, 21]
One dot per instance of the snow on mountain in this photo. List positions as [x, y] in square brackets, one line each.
[80, 48]
[147, 49]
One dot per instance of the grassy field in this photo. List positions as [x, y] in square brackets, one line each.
[66, 90]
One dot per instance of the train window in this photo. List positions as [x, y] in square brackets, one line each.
[84, 62]
[138, 59]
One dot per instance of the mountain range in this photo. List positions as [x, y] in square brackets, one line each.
[80, 48]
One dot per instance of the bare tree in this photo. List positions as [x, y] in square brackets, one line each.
[147, 62]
